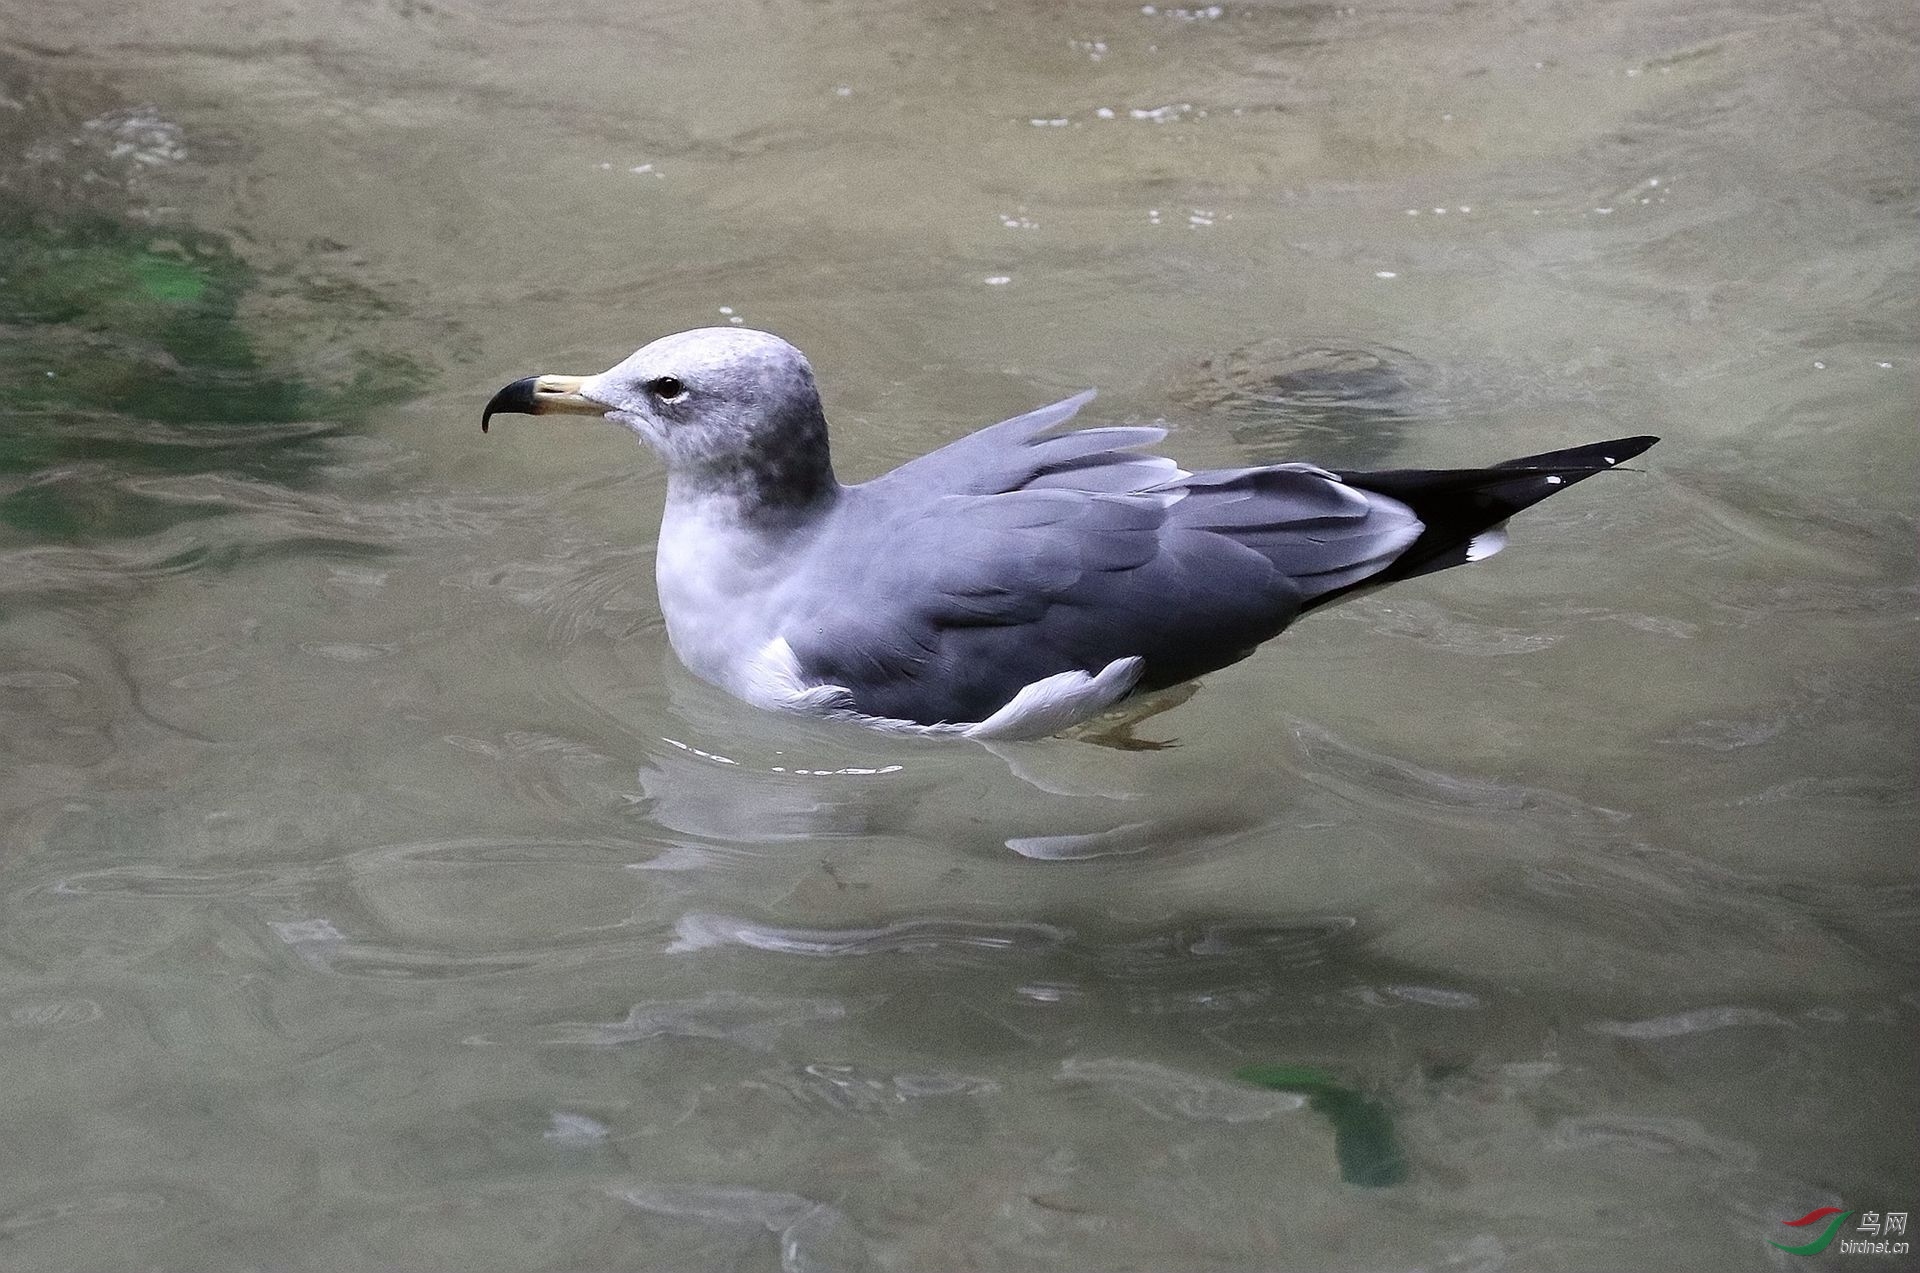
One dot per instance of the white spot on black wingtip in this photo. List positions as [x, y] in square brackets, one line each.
[1609, 459]
[1553, 479]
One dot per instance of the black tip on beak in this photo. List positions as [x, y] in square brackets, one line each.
[515, 399]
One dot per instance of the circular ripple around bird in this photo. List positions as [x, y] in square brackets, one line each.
[1336, 404]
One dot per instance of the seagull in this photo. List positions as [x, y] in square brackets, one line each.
[1010, 585]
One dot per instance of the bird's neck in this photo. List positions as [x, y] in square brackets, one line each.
[782, 477]
[761, 499]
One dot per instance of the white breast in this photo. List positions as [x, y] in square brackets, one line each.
[716, 581]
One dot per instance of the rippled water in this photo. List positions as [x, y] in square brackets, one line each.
[378, 893]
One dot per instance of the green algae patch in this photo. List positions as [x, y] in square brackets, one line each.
[118, 318]
[1365, 1143]
[170, 281]
[125, 352]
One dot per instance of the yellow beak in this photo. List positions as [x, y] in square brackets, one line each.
[539, 395]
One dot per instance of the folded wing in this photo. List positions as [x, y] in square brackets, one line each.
[1014, 555]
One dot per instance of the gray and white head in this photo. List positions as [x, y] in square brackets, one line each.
[728, 409]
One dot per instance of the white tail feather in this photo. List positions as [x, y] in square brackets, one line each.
[1487, 542]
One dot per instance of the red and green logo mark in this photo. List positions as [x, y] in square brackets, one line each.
[1813, 1217]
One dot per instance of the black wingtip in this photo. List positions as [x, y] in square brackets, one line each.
[514, 399]
[1594, 455]
[1457, 505]
[1624, 449]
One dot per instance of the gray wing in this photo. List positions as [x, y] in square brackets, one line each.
[1014, 455]
[942, 606]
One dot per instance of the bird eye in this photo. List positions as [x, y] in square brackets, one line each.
[667, 388]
